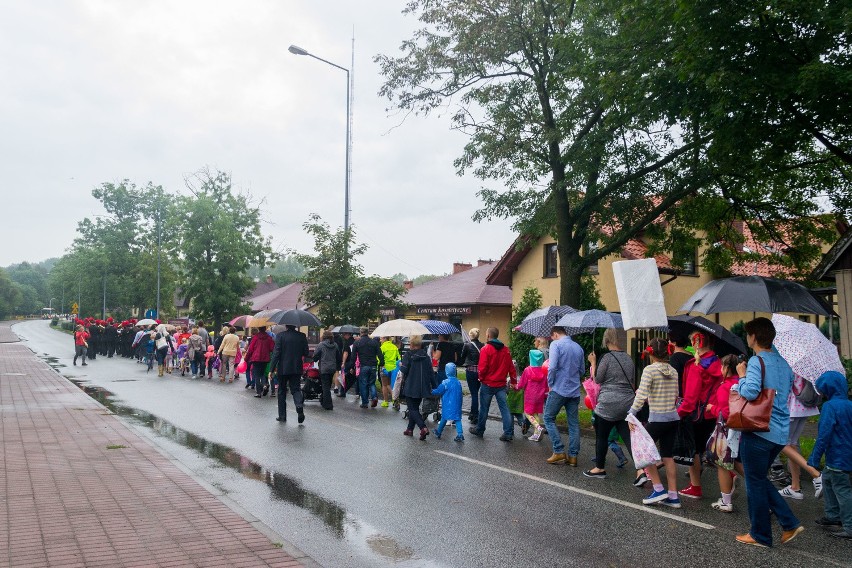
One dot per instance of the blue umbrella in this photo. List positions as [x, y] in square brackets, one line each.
[439, 327]
[589, 320]
[539, 322]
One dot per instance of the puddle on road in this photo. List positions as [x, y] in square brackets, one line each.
[284, 488]
[52, 361]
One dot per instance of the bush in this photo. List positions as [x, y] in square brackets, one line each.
[67, 325]
[54, 321]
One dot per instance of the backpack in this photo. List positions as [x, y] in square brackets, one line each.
[808, 396]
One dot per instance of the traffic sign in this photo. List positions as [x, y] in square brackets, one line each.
[151, 314]
[74, 308]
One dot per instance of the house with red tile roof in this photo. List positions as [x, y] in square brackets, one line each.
[533, 262]
[463, 298]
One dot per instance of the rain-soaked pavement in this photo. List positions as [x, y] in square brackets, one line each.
[349, 490]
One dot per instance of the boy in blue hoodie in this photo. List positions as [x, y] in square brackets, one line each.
[451, 402]
[835, 441]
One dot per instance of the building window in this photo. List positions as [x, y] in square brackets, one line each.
[591, 248]
[551, 261]
[806, 319]
[688, 261]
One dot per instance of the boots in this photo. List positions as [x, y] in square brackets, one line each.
[159, 370]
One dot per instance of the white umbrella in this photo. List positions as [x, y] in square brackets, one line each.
[400, 328]
[805, 348]
[146, 322]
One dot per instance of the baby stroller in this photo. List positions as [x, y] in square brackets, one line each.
[429, 405]
[311, 385]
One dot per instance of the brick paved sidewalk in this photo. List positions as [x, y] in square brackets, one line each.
[66, 500]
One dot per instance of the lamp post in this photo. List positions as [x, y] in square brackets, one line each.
[158, 262]
[296, 50]
[50, 305]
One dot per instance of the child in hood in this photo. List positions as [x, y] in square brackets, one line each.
[210, 358]
[182, 356]
[835, 441]
[451, 402]
[534, 382]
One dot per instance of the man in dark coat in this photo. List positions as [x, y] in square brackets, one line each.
[369, 354]
[110, 338]
[291, 347]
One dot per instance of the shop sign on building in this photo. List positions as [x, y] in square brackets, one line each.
[445, 310]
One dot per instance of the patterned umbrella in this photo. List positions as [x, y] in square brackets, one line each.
[589, 320]
[805, 348]
[261, 319]
[439, 327]
[240, 321]
[539, 322]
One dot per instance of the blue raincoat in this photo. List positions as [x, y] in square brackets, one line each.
[835, 424]
[451, 394]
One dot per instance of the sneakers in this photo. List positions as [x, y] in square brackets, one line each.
[459, 438]
[817, 487]
[747, 539]
[790, 493]
[473, 430]
[595, 474]
[640, 480]
[779, 475]
[557, 458]
[619, 453]
[536, 435]
[656, 497]
[720, 505]
[673, 503]
[692, 492]
[505, 438]
[841, 534]
[385, 404]
[437, 434]
[787, 536]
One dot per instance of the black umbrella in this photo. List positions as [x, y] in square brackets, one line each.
[726, 342]
[754, 294]
[297, 318]
[348, 328]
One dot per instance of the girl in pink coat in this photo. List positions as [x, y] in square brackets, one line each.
[534, 382]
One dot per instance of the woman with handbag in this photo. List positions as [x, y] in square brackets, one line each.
[765, 420]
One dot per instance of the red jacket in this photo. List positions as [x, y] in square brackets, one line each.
[80, 337]
[720, 401]
[495, 364]
[260, 348]
[698, 382]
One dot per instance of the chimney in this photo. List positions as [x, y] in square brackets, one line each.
[408, 284]
[481, 261]
[461, 267]
[269, 279]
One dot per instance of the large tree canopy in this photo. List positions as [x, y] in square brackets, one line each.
[594, 135]
[335, 282]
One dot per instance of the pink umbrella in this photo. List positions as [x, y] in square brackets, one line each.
[805, 348]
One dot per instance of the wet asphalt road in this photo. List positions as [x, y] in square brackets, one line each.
[349, 489]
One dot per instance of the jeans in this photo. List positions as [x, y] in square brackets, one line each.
[473, 385]
[555, 403]
[414, 416]
[757, 454]
[837, 491]
[486, 393]
[258, 376]
[367, 384]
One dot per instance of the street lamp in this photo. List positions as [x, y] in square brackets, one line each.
[50, 305]
[296, 50]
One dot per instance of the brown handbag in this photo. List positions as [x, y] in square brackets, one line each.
[751, 415]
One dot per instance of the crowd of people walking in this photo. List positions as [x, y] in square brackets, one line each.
[681, 402]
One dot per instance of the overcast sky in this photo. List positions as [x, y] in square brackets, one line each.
[96, 91]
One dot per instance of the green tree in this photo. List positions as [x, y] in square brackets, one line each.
[220, 239]
[33, 280]
[336, 282]
[10, 295]
[594, 140]
[115, 255]
[521, 343]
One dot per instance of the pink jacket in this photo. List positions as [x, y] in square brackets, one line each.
[534, 382]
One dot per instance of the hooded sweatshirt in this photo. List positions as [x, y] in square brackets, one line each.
[495, 364]
[450, 393]
[835, 424]
[534, 382]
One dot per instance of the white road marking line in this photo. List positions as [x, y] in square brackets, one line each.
[644, 508]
